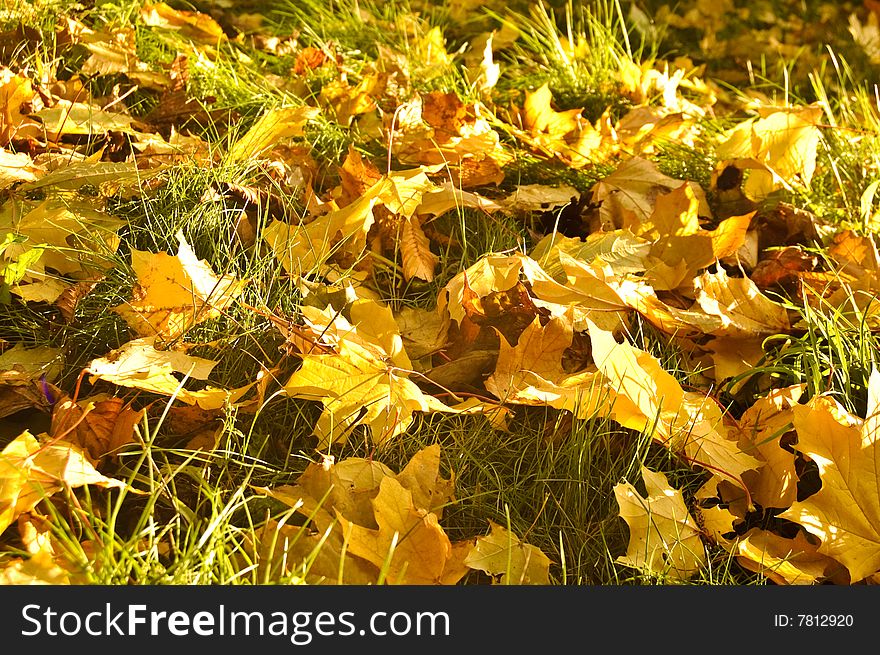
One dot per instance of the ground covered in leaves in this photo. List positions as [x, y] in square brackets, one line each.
[439, 293]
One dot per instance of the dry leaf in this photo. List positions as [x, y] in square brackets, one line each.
[357, 388]
[409, 540]
[269, 130]
[845, 513]
[98, 425]
[664, 538]
[502, 554]
[34, 468]
[415, 249]
[646, 397]
[785, 561]
[192, 24]
[138, 364]
[174, 293]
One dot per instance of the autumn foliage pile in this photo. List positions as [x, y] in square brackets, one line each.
[715, 265]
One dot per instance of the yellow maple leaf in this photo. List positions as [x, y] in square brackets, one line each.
[563, 134]
[734, 356]
[491, 273]
[76, 238]
[356, 387]
[409, 544]
[761, 427]
[174, 293]
[17, 167]
[270, 129]
[293, 554]
[140, 365]
[306, 248]
[43, 565]
[16, 92]
[779, 146]
[447, 197]
[439, 129]
[795, 561]
[845, 512]
[80, 118]
[664, 539]
[646, 397]
[579, 287]
[679, 241]
[345, 102]
[627, 197]
[531, 372]
[724, 306]
[718, 521]
[739, 306]
[329, 491]
[503, 555]
[367, 323]
[539, 117]
[421, 476]
[33, 468]
[192, 24]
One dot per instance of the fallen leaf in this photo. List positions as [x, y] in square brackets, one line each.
[646, 397]
[664, 538]
[502, 555]
[845, 513]
[358, 510]
[534, 197]
[762, 428]
[739, 306]
[357, 388]
[26, 377]
[563, 134]
[270, 129]
[302, 249]
[174, 293]
[779, 147]
[409, 544]
[80, 118]
[34, 468]
[532, 372]
[421, 476]
[794, 561]
[16, 91]
[191, 24]
[415, 249]
[43, 565]
[138, 364]
[17, 167]
[98, 425]
[628, 196]
[734, 356]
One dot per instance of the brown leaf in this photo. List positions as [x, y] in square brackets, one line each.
[445, 112]
[782, 267]
[70, 298]
[309, 59]
[99, 425]
[415, 250]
